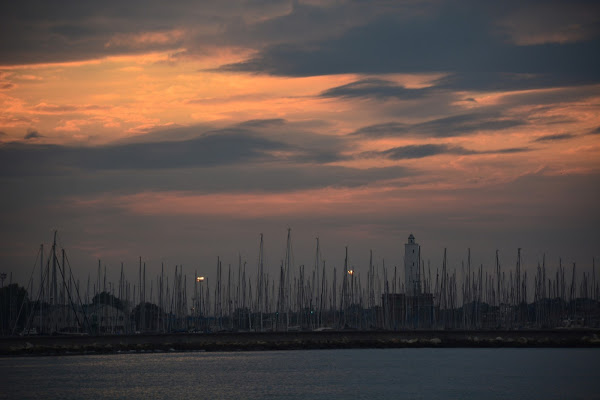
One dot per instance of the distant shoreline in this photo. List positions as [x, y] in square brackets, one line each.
[257, 341]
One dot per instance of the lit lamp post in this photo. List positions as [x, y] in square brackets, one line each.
[199, 280]
[351, 273]
[352, 309]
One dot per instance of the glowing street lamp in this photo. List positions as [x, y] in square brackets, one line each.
[199, 280]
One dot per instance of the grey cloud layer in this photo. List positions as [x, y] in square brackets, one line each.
[256, 156]
[461, 39]
[428, 150]
[208, 150]
[475, 42]
[377, 89]
[456, 125]
[249, 142]
[253, 156]
[34, 31]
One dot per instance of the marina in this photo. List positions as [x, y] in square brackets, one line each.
[415, 297]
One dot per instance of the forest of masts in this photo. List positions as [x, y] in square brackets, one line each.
[250, 298]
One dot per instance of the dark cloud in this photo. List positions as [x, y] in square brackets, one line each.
[456, 125]
[383, 130]
[262, 123]
[595, 131]
[375, 88]
[467, 123]
[29, 43]
[428, 150]
[32, 31]
[305, 142]
[298, 140]
[2, 133]
[226, 147]
[423, 150]
[510, 150]
[475, 41]
[254, 141]
[554, 138]
[460, 39]
[557, 120]
[307, 22]
[32, 134]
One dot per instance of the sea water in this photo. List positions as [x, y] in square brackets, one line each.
[424, 373]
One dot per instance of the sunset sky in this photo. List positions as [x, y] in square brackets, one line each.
[180, 131]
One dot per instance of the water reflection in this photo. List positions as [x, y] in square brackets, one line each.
[319, 374]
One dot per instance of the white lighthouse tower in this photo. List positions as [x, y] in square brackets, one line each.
[412, 267]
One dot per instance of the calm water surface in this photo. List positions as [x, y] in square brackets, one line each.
[318, 374]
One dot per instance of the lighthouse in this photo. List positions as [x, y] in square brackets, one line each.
[412, 267]
[414, 308]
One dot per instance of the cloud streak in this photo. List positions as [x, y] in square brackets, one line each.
[429, 150]
[456, 125]
[554, 138]
[377, 89]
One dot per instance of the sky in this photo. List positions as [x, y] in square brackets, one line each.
[181, 131]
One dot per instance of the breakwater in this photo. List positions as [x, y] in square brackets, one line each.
[253, 341]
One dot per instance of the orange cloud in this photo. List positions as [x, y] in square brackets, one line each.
[73, 125]
[44, 108]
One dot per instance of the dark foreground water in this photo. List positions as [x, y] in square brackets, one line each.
[311, 374]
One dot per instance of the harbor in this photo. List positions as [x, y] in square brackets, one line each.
[301, 299]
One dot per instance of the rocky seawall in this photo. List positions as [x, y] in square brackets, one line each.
[254, 341]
